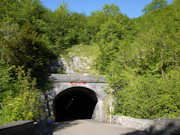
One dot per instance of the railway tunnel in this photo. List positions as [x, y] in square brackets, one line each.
[76, 97]
[74, 103]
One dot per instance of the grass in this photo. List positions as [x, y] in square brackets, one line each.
[82, 50]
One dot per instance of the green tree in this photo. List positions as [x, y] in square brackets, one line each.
[93, 25]
[27, 50]
[59, 26]
[114, 38]
[176, 1]
[155, 4]
[111, 9]
[109, 35]
[160, 41]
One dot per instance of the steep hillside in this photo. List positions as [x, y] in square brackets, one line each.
[79, 59]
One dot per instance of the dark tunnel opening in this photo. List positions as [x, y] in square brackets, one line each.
[74, 103]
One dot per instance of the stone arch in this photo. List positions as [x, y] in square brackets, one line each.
[75, 103]
[61, 83]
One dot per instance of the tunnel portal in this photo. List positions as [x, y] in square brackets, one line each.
[74, 103]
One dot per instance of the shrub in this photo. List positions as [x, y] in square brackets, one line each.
[25, 104]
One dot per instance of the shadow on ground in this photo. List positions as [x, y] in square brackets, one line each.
[57, 126]
[170, 129]
[137, 133]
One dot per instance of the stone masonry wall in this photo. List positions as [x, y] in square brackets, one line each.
[27, 127]
[139, 124]
[17, 128]
[160, 126]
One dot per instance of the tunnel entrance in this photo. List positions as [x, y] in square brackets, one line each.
[74, 103]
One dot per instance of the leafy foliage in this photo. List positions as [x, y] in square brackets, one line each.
[111, 9]
[140, 62]
[155, 4]
[149, 97]
[23, 99]
[28, 50]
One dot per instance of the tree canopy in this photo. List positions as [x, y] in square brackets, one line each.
[155, 4]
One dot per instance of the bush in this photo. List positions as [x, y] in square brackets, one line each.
[149, 98]
[60, 71]
[25, 103]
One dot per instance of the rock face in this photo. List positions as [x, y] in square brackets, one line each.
[74, 65]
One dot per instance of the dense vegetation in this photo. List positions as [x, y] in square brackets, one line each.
[144, 69]
[140, 56]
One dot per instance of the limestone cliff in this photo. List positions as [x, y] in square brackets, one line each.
[75, 61]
